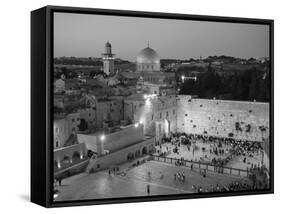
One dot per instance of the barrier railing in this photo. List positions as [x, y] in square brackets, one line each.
[202, 165]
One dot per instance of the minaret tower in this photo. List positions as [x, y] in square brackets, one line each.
[108, 60]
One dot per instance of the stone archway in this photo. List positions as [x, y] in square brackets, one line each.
[76, 155]
[144, 151]
[137, 153]
[130, 156]
[66, 159]
[151, 148]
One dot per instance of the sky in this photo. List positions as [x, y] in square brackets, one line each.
[83, 35]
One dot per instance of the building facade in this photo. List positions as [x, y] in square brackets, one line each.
[108, 60]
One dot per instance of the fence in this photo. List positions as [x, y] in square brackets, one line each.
[200, 165]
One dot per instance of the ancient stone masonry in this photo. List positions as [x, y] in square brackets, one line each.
[237, 119]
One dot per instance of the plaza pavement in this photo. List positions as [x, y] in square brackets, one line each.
[133, 182]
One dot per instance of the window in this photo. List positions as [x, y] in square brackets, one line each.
[167, 114]
[57, 144]
[73, 120]
[57, 129]
[174, 112]
[160, 115]
[152, 117]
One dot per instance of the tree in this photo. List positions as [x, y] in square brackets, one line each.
[254, 86]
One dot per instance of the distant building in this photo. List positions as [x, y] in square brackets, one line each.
[108, 60]
[65, 130]
[59, 85]
[148, 60]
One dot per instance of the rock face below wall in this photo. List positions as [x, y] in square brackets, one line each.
[237, 119]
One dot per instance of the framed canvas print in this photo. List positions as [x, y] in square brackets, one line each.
[138, 106]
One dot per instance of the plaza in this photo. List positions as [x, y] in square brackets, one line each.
[133, 181]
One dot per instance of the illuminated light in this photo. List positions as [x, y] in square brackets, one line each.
[102, 137]
[56, 195]
[81, 155]
[141, 122]
[149, 96]
[147, 102]
[136, 125]
[59, 165]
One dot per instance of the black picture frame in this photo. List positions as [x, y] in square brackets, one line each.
[42, 100]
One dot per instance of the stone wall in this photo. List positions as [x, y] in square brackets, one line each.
[122, 156]
[70, 151]
[150, 112]
[113, 141]
[245, 120]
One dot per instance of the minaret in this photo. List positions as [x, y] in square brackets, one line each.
[108, 60]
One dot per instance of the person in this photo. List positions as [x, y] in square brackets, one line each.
[148, 189]
[204, 173]
[60, 181]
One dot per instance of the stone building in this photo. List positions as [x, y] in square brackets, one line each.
[148, 60]
[157, 113]
[108, 60]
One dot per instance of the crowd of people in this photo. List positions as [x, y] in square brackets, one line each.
[222, 149]
[231, 187]
[179, 176]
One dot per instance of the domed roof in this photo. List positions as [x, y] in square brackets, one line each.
[148, 55]
[107, 44]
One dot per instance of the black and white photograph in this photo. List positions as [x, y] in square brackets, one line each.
[148, 107]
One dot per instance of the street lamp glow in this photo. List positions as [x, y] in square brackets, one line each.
[182, 77]
[136, 125]
[102, 137]
[147, 102]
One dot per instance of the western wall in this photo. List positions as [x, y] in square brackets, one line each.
[236, 119]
